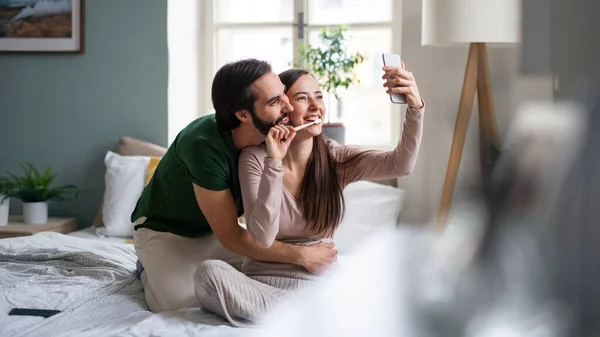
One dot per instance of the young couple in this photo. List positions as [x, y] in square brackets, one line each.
[247, 159]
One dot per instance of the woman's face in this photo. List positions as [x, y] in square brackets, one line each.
[307, 99]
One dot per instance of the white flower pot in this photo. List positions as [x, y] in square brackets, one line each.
[35, 213]
[4, 207]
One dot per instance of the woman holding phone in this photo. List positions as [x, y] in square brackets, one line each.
[292, 189]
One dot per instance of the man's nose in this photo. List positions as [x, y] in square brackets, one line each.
[288, 105]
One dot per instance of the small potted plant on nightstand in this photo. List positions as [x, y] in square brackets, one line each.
[35, 191]
[6, 189]
[333, 66]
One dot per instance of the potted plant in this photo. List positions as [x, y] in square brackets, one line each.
[35, 191]
[6, 188]
[334, 68]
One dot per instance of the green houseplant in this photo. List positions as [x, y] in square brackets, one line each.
[35, 190]
[6, 189]
[334, 67]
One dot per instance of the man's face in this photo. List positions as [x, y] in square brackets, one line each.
[272, 105]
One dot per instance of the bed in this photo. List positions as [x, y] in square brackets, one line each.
[91, 233]
[91, 278]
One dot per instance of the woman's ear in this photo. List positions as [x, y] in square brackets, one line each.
[244, 116]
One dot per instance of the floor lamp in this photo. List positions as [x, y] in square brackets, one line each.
[475, 23]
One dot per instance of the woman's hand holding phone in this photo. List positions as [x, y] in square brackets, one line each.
[401, 81]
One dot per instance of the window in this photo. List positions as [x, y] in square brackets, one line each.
[274, 29]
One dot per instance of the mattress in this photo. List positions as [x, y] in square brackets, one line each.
[91, 233]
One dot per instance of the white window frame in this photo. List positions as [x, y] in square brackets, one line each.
[207, 60]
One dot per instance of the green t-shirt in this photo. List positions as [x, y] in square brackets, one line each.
[203, 154]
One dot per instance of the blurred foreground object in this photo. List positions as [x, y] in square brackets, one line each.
[560, 38]
[495, 278]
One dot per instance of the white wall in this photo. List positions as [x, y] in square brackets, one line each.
[439, 73]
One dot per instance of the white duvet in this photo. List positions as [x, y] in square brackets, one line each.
[94, 284]
[89, 281]
[185, 322]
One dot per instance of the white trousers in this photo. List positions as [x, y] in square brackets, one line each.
[170, 262]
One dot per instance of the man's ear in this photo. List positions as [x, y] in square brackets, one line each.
[244, 116]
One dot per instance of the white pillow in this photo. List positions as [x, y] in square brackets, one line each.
[125, 180]
[370, 208]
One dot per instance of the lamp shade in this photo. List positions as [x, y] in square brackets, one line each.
[447, 22]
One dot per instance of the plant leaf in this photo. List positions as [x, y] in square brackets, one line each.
[35, 186]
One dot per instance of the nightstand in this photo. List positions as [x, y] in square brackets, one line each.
[16, 227]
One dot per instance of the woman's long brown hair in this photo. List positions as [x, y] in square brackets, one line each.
[321, 191]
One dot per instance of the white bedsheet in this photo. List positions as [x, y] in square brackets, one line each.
[186, 322]
[372, 209]
[70, 286]
[193, 322]
[90, 282]
[92, 234]
[137, 323]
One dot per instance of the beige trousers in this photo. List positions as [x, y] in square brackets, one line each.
[170, 262]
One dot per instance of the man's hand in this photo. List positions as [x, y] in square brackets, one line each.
[278, 141]
[403, 82]
[219, 209]
[316, 258]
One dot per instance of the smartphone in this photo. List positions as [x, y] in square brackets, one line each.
[393, 60]
[33, 312]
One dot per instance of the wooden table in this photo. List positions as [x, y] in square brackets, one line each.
[16, 227]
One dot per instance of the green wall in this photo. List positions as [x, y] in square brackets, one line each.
[68, 110]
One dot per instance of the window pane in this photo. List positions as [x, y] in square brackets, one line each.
[326, 12]
[364, 108]
[270, 44]
[244, 11]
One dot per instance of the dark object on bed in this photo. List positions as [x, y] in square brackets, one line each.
[33, 312]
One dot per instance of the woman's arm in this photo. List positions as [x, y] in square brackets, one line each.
[262, 191]
[377, 165]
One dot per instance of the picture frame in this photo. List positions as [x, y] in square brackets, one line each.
[42, 26]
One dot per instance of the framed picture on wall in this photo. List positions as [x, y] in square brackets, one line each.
[41, 26]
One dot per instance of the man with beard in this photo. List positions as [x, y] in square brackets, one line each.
[188, 211]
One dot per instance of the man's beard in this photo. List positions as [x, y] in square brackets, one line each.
[263, 126]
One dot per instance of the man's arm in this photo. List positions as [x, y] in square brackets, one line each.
[219, 209]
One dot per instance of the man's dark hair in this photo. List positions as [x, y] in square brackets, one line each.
[231, 91]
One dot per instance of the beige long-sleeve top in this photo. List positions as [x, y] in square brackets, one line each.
[272, 213]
